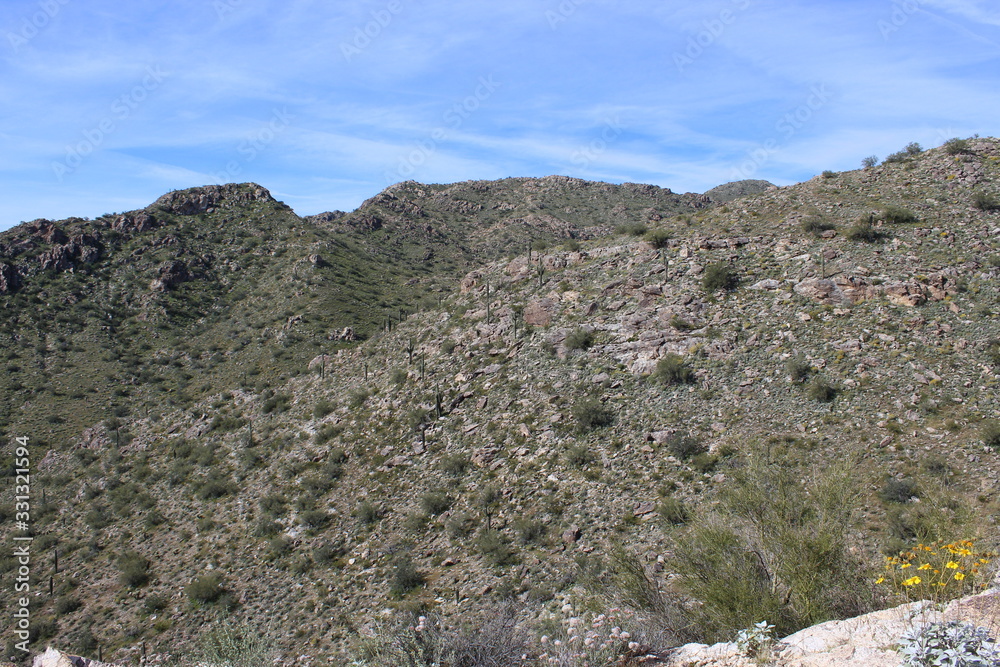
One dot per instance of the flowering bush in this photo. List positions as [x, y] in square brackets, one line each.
[936, 572]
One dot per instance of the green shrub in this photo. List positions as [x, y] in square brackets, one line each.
[212, 488]
[327, 432]
[821, 390]
[571, 245]
[829, 174]
[265, 527]
[530, 530]
[398, 376]
[357, 397]
[590, 413]
[657, 238]
[323, 408]
[798, 368]
[900, 156]
[774, 547]
[913, 148]
[314, 519]
[898, 490]
[993, 352]
[720, 276]
[956, 146]
[985, 202]
[461, 525]
[278, 404]
[448, 346]
[405, 577]
[278, 547]
[579, 455]
[816, 225]
[273, 504]
[326, 553]
[897, 215]
[229, 644]
[672, 369]
[67, 605]
[631, 229]
[495, 548]
[454, 464]
[206, 589]
[683, 445]
[435, 502]
[989, 432]
[865, 232]
[366, 513]
[579, 339]
[673, 511]
[869, 161]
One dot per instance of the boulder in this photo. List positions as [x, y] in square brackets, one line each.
[905, 294]
[56, 658]
[539, 313]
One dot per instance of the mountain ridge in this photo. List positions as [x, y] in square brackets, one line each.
[513, 414]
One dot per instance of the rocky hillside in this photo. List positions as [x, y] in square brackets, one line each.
[632, 368]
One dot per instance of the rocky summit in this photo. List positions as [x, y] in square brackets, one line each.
[516, 422]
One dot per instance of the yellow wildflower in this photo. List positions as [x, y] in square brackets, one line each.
[952, 565]
[925, 566]
[959, 576]
[912, 581]
[880, 580]
[905, 565]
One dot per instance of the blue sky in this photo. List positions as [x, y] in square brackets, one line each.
[107, 105]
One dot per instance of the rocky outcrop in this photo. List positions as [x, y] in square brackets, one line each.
[737, 189]
[539, 313]
[905, 294]
[46, 231]
[842, 290]
[10, 279]
[210, 197]
[171, 274]
[863, 641]
[82, 249]
[56, 658]
[140, 221]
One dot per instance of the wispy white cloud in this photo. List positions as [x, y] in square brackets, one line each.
[564, 71]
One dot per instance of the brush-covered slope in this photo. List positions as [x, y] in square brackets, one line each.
[505, 440]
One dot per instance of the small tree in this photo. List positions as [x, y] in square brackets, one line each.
[869, 161]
